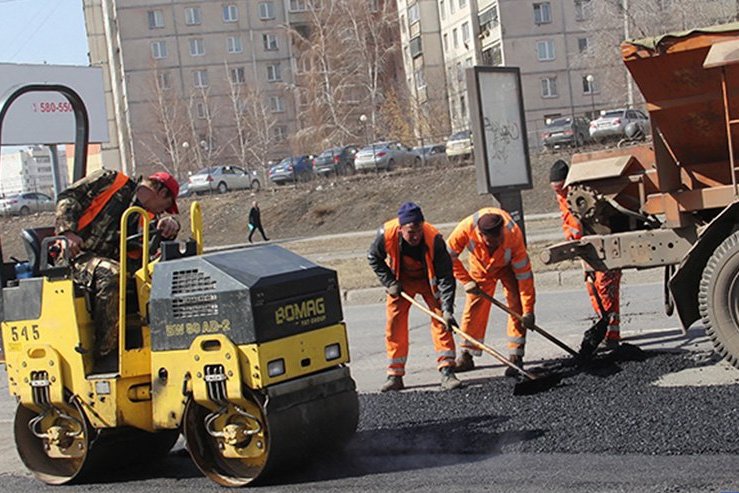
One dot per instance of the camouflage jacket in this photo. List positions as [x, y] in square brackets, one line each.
[101, 236]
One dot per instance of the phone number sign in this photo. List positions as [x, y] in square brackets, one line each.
[47, 117]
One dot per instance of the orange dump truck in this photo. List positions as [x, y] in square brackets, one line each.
[674, 202]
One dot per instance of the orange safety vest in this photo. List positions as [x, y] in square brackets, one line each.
[99, 202]
[570, 225]
[392, 248]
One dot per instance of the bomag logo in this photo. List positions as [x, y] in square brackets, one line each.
[307, 311]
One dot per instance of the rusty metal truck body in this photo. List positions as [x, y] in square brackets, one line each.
[673, 202]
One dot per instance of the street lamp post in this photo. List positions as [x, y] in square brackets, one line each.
[590, 80]
[363, 119]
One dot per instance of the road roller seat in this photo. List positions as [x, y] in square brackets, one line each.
[33, 240]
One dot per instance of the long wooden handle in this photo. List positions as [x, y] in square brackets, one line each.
[535, 328]
[492, 352]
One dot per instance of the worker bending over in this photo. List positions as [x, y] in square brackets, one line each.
[496, 252]
[409, 255]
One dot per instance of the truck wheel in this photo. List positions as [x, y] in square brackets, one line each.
[718, 299]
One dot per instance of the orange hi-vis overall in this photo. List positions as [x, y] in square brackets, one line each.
[415, 278]
[605, 284]
[509, 263]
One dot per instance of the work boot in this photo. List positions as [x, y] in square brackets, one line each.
[393, 382]
[464, 362]
[449, 380]
[609, 343]
[516, 360]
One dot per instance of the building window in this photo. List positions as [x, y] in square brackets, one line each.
[664, 4]
[201, 110]
[460, 72]
[415, 45]
[237, 75]
[298, 6]
[466, 34]
[452, 8]
[442, 10]
[279, 133]
[413, 15]
[462, 4]
[589, 87]
[493, 55]
[463, 107]
[488, 20]
[159, 50]
[582, 45]
[230, 13]
[403, 27]
[266, 10]
[582, 10]
[542, 13]
[200, 78]
[446, 42]
[233, 44]
[163, 81]
[545, 50]
[276, 104]
[274, 73]
[420, 78]
[197, 47]
[455, 38]
[270, 42]
[156, 19]
[549, 87]
[193, 16]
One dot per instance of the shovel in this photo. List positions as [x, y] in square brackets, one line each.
[595, 334]
[535, 328]
[531, 385]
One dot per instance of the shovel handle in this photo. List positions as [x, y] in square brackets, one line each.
[535, 328]
[492, 352]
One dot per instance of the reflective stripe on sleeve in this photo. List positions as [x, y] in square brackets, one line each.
[523, 276]
[520, 265]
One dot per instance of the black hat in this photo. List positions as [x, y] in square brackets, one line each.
[558, 171]
[410, 213]
[490, 223]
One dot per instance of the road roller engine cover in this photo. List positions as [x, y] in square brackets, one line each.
[244, 351]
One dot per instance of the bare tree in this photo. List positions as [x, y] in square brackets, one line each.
[202, 112]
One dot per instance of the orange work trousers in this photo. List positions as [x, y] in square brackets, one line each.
[608, 287]
[477, 312]
[396, 330]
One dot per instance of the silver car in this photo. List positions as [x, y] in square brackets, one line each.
[459, 146]
[26, 203]
[221, 179]
[386, 156]
[432, 154]
[612, 124]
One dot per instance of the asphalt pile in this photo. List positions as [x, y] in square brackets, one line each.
[610, 406]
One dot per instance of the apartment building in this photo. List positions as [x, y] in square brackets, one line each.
[168, 63]
[29, 170]
[567, 50]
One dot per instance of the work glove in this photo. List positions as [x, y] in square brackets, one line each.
[472, 288]
[394, 289]
[528, 320]
[449, 321]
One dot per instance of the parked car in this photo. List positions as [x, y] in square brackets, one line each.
[222, 179]
[26, 203]
[292, 170]
[612, 124]
[566, 131]
[337, 160]
[386, 156]
[431, 154]
[459, 146]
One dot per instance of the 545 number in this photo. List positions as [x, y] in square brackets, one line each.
[24, 333]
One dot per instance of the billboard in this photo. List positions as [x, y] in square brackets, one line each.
[498, 129]
[46, 117]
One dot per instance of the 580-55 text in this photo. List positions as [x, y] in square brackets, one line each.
[52, 107]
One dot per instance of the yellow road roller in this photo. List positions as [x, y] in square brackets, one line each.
[243, 351]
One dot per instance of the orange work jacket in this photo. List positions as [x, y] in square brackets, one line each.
[392, 248]
[570, 225]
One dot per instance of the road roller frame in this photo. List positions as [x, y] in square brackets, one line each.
[241, 419]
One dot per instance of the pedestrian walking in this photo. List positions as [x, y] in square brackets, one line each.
[603, 287]
[496, 253]
[255, 221]
[409, 255]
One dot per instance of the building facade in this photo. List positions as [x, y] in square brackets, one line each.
[29, 170]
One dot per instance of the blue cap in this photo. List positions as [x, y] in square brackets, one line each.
[410, 212]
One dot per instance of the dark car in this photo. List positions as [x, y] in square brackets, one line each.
[566, 131]
[292, 170]
[337, 160]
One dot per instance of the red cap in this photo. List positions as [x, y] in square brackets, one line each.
[174, 188]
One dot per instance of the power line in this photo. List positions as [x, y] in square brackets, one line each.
[38, 26]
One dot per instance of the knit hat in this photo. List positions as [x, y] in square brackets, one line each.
[410, 212]
[490, 223]
[558, 171]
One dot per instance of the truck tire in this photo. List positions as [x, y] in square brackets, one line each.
[718, 299]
